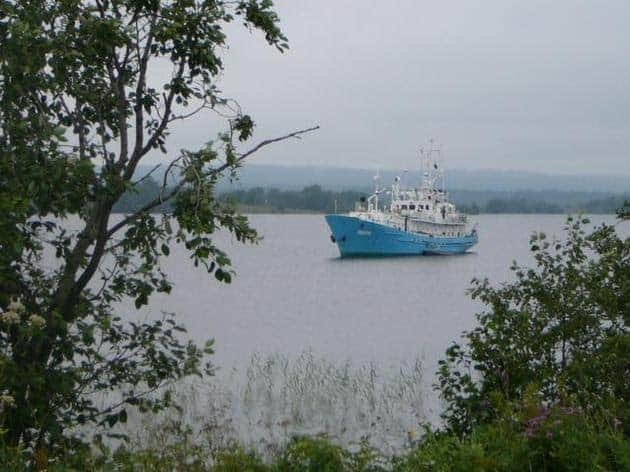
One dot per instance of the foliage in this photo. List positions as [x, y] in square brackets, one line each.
[560, 330]
[179, 456]
[300, 454]
[240, 460]
[560, 441]
[313, 455]
[306, 454]
[85, 96]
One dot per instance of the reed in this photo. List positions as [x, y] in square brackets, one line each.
[274, 398]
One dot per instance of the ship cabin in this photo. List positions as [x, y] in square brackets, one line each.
[425, 205]
[424, 210]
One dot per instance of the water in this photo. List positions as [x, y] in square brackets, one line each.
[307, 342]
[292, 292]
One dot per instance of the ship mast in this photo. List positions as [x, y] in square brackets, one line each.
[377, 190]
[432, 173]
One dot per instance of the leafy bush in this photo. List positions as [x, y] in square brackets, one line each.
[560, 329]
[319, 454]
[554, 440]
[528, 437]
[312, 454]
[240, 460]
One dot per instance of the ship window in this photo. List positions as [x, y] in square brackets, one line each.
[404, 207]
[412, 207]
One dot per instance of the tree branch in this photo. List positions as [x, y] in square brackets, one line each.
[140, 151]
[142, 74]
[161, 199]
[295, 134]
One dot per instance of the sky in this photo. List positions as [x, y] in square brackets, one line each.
[530, 85]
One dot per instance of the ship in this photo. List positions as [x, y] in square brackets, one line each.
[405, 221]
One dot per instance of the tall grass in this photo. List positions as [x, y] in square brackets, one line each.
[275, 398]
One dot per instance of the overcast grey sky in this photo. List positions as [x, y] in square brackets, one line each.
[539, 85]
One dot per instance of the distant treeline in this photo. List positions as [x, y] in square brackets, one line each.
[318, 200]
[532, 205]
[311, 199]
[143, 192]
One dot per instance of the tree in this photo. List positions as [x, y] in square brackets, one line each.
[560, 332]
[79, 111]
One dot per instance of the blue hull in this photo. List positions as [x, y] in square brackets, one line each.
[356, 237]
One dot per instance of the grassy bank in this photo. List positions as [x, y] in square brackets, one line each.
[312, 414]
[554, 440]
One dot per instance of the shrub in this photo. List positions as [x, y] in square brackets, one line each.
[240, 460]
[561, 328]
[555, 440]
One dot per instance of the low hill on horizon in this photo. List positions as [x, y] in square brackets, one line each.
[334, 178]
[271, 194]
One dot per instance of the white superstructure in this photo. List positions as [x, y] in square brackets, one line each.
[425, 209]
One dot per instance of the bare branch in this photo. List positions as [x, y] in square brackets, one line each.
[262, 144]
[184, 116]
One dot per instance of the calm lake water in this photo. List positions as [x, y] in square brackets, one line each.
[307, 342]
[292, 292]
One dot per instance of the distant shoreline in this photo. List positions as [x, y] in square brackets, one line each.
[251, 210]
[316, 199]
